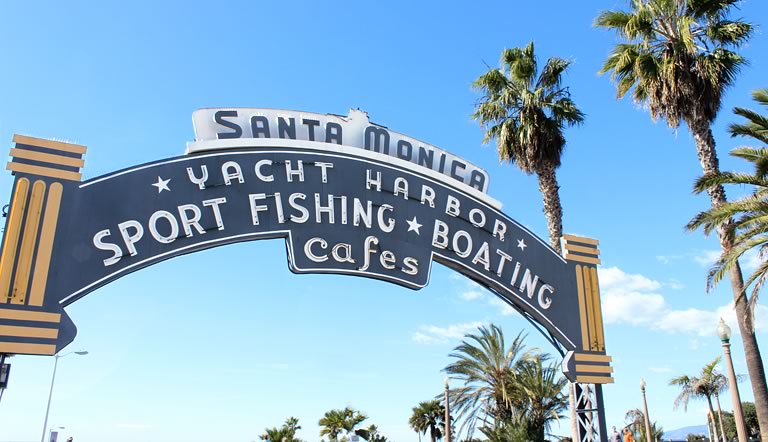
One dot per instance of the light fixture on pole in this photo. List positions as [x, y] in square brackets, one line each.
[56, 358]
[447, 412]
[724, 332]
[648, 434]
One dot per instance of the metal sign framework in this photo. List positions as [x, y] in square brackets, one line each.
[344, 211]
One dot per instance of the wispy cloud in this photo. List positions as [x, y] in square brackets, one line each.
[432, 334]
[660, 369]
[472, 291]
[134, 426]
[635, 299]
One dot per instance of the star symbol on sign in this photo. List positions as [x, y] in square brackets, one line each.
[413, 225]
[521, 244]
[162, 184]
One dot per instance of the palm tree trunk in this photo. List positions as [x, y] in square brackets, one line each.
[711, 427]
[705, 147]
[720, 416]
[712, 413]
[552, 209]
[572, 403]
[432, 433]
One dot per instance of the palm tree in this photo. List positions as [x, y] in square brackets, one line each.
[428, 415]
[636, 420]
[678, 58]
[335, 422]
[488, 369]
[543, 401]
[708, 384]
[525, 110]
[286, 433]
[748, 212]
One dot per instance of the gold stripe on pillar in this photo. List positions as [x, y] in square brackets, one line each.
[30, 349]
[8, 258]
[590, 286]
[28, 241]
[582, 308]
[45, 246]
[598, 311]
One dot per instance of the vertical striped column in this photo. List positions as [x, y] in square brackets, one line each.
[592, 365]
[42, 169]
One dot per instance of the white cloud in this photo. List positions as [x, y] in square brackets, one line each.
[674, 284]
[706, 258]
[471, 295]
[629, 298]
[504, 308]
[432, 334]
[135, 426]
[633, 299]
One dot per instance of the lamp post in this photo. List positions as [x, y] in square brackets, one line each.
[53, 378]
[447, 413]
[648, 434]
[724, 332]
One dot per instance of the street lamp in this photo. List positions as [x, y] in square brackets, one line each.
[447, 412]
[648, 434]
[724, 332]
[56, 358]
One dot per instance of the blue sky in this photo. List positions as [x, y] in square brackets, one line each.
[221, 344]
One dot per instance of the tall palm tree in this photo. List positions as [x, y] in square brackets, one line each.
[708, 384]
[428, 416]
[749, 213]
[678, 57]
[488, 368]
[525, 110]
[542, 399]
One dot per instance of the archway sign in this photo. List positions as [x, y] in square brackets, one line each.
[349, 197]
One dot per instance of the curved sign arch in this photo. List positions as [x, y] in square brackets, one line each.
[349, 197]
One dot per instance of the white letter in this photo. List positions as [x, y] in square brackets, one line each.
[304, 212]
[502, 261]
[324, 170]
[545, 302]
[266, 178]
[199, 181]
[390, 225]
[369, 182]
[529, 283]
[452, 207]
[214, 205]
[347, 253]
[308, 249]
[477, 222]
[368, 250]
[387, 259]
[129, 239]
[428, 195]
[320, 209]
[465, 235]
[401, 186]
[187, 223]
[228, 177]
[360, 212]
[411, 266]
[499, 228]
[117, 253]
[171, 220]
[440, 234]
[289, 172]
[255, 209]
[483, 257]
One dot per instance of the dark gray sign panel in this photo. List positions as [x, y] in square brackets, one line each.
[340, 211]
